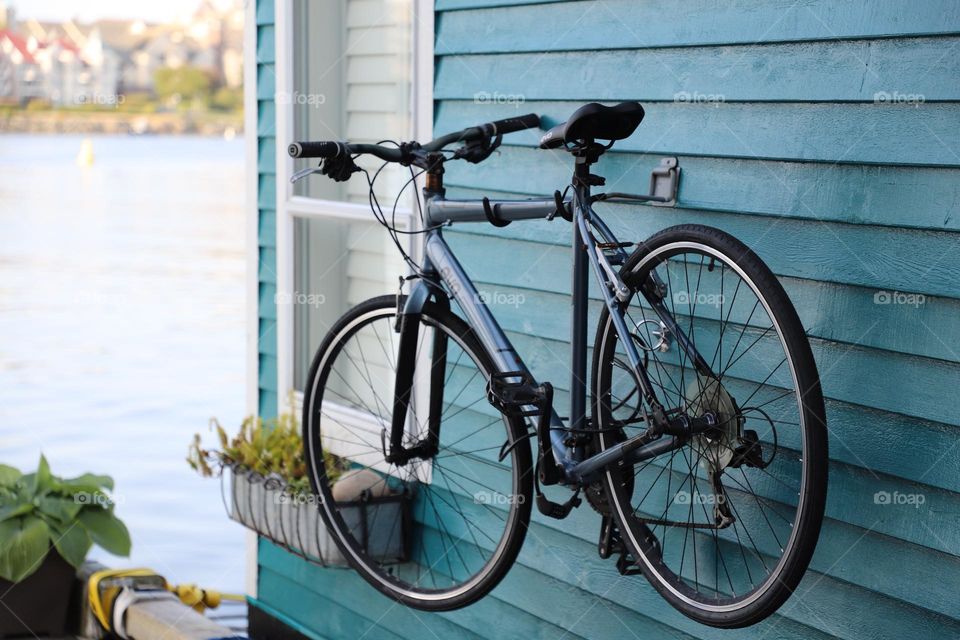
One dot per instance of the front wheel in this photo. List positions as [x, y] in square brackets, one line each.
[725, 525]
[467, 510]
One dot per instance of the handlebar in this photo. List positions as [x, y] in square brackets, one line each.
[339, 149]
[510, 125]
[314, 149]
[391, 154]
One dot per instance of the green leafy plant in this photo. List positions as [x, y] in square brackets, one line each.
[268, 447]
[40, 511]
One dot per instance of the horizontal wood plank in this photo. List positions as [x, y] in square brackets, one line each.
[266, 118]
[850, 70]
[884, 134]
[266, 81]
[447, 5]
[848, 193]
[618, 24]
[265, 14]
[793, 248]
[266, 45]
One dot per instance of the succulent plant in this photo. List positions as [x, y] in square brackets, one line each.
[269, 447]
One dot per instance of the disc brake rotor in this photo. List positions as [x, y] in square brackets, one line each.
[716, 447]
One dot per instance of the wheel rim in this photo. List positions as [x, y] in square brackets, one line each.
[714, 570]
[464, 502]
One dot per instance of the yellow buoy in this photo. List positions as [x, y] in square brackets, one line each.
[85, 157]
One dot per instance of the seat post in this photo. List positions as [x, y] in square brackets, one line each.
[578, 327]
[586, 155]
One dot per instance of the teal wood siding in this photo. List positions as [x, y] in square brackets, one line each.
[823, 133]
[267, 205]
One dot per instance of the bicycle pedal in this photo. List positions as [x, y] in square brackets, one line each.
[556, 510]
[609, 542]
[515, 393]
[627, 565]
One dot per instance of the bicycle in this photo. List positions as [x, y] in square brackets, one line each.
[708, 469]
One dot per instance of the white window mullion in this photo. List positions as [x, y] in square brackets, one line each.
[303, 207]
[284, 71]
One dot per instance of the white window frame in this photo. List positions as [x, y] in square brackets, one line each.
[291, 206]
[250, 116]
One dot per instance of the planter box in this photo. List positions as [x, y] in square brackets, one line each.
[37, 605]
[265, 505]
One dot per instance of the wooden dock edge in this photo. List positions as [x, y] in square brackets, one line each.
[166, 619]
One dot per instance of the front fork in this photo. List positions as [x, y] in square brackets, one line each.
[408, 326]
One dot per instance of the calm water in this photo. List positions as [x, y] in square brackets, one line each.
[122, 330]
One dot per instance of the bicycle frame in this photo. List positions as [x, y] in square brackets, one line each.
[440, 264]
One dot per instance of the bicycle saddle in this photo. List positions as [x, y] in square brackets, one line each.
[595, 121]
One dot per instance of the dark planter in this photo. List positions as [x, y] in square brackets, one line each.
[38, 605]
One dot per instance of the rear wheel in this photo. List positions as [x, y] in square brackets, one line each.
[468, 511]
[724, 526]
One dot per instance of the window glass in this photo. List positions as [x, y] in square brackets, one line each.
[352, 82]
[339, 263]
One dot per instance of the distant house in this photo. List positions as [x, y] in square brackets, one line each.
[67, 78]
[218, 38]
[21, 78]
[70, 64]
[105, 62]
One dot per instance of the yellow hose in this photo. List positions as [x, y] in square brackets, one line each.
[201, 599]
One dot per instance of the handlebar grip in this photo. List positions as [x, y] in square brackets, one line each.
[509, 125]
[315, 149]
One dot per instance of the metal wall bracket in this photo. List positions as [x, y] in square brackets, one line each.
[665, 182]
[664, 185]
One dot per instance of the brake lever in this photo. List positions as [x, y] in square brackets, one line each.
[479, 150]
[303, 173]
[339, 169]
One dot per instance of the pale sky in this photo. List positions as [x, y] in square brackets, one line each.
[147, 10]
